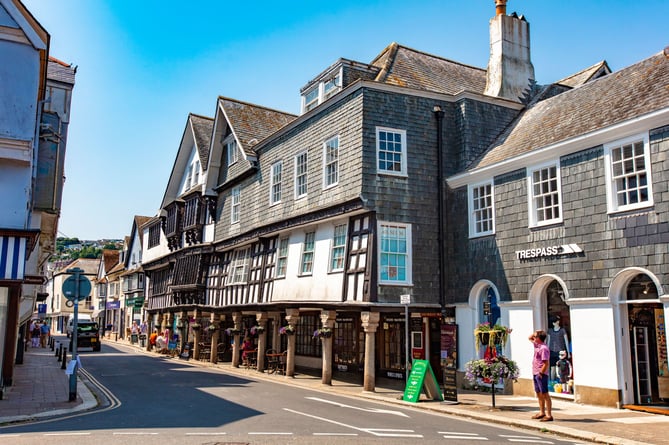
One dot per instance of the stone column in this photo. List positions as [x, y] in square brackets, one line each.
[261, 319]
[293, 318]
[198, 336]
[236, 346]
[370, 322]
[213, 356]
[276, 324]
[327, 321]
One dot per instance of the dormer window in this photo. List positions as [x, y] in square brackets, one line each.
[233, 152]
[321, 90]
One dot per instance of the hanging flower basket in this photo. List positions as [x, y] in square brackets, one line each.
[490, 336]
[257, 330]
[232, 331]
[323, 333]
[195, 327]
[212, 328]
[491, 370]
[287, 330]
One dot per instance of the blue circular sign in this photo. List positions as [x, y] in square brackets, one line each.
[70, 288]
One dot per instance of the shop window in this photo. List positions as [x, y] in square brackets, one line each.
[559, 340]
[393, 344]
[305, 342]
[346, 342]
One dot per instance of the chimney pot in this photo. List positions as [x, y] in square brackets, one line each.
[500, 7]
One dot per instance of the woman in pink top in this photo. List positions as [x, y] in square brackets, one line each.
[540, 366]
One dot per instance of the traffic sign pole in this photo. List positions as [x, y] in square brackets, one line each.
[75, 288]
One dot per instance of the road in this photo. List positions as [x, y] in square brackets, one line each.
[151, 399]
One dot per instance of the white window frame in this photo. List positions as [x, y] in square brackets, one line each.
[532, 209]
[308, 254]
[611, 189]
[301, 170]
[196, 172]
[403, 151]
[232, 151]
[477, 212]
[282, 257]
[239, 266]
[235, 204]
[276, 172]
[397, 253]
[331, 162]
[338, 247]
[323, 90]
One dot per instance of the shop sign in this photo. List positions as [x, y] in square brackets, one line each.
[548, 251]
[114, 305]
[421, 377]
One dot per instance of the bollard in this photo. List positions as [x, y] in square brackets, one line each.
[63, 365]
[52, 341]
[58, 352]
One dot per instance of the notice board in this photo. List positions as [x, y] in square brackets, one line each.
[421, 377]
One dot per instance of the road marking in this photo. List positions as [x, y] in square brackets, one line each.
[528, 439]
[462, 436]
[369, 410]
[67, 434]
[134, 433]
[268, 433]
[206, 434]
[455, 432]
[335, 434]
[531, 441]
[373, 431]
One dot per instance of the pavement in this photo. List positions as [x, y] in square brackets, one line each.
[41, 390]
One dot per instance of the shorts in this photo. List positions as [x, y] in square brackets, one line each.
[540, 383]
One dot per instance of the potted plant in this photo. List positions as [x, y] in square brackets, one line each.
[195, 326]
[212, 327]
[232, 331]
[323, 332]
[492, 370]
[257, 330]
[287, 330]
[490, 336]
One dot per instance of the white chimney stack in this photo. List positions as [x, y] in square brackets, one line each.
[509, 67]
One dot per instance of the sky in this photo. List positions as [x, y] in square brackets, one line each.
[143, 66]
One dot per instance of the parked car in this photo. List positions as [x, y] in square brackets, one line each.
[88, 335]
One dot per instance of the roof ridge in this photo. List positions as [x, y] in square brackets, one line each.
[201, 116]
[229, 99]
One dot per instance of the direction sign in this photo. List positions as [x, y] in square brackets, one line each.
[405, 299]
[70, 288]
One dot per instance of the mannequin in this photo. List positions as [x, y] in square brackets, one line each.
[557, 341]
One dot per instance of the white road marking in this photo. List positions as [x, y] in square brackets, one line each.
[465, 437]
[373, 431]
[455, 432]
[530, 441]
[67, 434]
[206, 434]
[267, 433]
[335, 434]
[134, 433]
[369, 410]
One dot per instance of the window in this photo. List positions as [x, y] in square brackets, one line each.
[189, 179]
[301, 175]
[305, 344]
[481, 210]
[275, 183]
[311, 99]
[395, 253]
[391, 151]
[196, 172]
[239, 266]
[338, 248]
[331, 87]
[235, 204]
[544, 195]
[233, 152]
[331, 162]
[154, 235]
[307, 263]
[628, 174]
[282, 262]
[322, 90]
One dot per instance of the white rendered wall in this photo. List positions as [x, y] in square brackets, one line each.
[594, 346]
[519, 348]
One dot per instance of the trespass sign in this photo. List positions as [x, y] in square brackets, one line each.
[548, 251]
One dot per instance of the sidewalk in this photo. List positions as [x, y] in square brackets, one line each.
[41, 390]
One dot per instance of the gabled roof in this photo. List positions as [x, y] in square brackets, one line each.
[60, 71]
[109, 259]
[202, 128]
[252, 123]
[88, 265]
[624, 95]
[409, 68]
[584, 76]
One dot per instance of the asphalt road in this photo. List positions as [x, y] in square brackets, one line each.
[149, 399]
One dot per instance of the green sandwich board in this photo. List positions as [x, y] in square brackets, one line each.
[420, 369]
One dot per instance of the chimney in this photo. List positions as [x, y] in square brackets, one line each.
[509, 68]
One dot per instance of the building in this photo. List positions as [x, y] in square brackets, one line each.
[34, 117]
[475, 194]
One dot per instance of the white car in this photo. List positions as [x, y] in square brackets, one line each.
[81, 317]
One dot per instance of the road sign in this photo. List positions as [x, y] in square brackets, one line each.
[405, 299]
[70, 288]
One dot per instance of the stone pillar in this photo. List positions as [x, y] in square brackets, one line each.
[293, 318]
[198, 335]
[370, 322]
[327, 321]
[236, 346]
[261, 319]
[276, 324]
[213, 356]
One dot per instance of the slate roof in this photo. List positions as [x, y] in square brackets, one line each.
[110, 259]
[60, 71]
[252, 123]
[202, 130]
[88, 265]
[629, 93]
[403, 66]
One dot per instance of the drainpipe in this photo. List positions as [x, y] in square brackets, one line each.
[439, 115]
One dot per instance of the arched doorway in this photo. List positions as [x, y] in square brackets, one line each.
[647, 342]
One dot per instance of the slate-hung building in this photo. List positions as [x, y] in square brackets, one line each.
[565, 215]
[409, 175]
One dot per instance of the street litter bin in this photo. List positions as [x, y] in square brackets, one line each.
[142, 340]
[133, 338]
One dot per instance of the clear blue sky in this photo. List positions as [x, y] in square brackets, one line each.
[144, 65]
